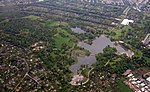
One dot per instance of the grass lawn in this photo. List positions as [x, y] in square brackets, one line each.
[55, 23]
[59, 40]
[123, 87]
[125, 29]
[32, 17]
[138, 53]
[118, 33]
[53, 55]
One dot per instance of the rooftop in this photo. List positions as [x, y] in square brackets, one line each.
[126, 22]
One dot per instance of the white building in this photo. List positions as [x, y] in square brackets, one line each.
[41, 0]
[148, 79]
[126, 22]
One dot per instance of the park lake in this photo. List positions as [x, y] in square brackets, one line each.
[96, 47]
[77, 30]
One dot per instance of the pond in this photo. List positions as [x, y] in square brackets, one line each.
[77, 30]
[97, 47]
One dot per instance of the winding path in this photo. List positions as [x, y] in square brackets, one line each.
[88, 76]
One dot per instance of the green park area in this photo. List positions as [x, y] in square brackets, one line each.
[119, 32]
[63, 38]
[32, 17]
[51, 23]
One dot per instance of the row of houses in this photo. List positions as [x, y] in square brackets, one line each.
[137, 83]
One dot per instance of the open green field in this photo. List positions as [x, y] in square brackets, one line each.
[122, 87]
[137, 53]
[118, 32]
[51, 23]
[60, 40]
[32, 17]
[63, 37]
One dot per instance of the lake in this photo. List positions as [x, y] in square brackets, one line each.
[77, 30]
[97, 47]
